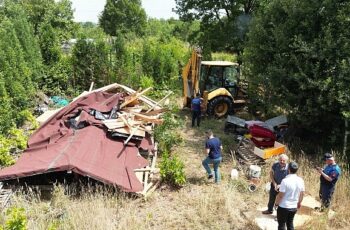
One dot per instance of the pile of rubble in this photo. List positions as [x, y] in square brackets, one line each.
[104, 134]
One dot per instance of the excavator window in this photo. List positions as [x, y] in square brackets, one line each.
[214, 78]
[230, 76]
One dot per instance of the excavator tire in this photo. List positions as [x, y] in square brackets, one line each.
[220, 106]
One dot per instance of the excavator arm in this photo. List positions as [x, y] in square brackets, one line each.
[190, 77]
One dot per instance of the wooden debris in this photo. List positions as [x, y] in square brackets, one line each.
[133, 118]
[151, 119]
[114, 123]
[91, 86]
[158, 103]
[150, 190]
[5, 197]
[132, 133]
[128, 131]
[134, 97]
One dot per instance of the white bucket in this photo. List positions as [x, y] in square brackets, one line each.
[234, 174]
[254, 171]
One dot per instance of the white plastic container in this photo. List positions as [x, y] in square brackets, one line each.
[234, 174]
[254, 171]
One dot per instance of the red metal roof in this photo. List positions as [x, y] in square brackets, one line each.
[88, 151]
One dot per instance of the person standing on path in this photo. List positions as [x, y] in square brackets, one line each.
[289, 198]
[196, 109]
[328, 178]
[278, 172]
[213, 149]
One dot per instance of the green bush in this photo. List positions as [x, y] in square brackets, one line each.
[172, 170]
[5, 146]
[146, 81]
[15, 141]
[16, 219]
[165, 134]
[26, 117]
[222, 56]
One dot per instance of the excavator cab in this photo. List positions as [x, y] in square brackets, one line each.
[220, 80]
[218, 74]
[217, 81]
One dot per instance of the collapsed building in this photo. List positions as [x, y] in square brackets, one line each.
[104, 134]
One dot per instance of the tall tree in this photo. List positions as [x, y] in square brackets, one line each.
[58, 14]
[24, 32]
[53, 23]
[298, 53]
[15, 69]
[223, 23]
[123, 15]
[90, 64]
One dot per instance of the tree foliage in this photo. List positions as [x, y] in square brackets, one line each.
[16, 72]
[123, 15]
[58, 14]
[298, 54]
[223, 23]
[90, 64]
[53, 23]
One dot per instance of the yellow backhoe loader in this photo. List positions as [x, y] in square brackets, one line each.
[218, 82]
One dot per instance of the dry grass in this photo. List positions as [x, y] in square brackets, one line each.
[341, 198]
[200, 204]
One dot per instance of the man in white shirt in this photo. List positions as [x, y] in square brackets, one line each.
[289, 198]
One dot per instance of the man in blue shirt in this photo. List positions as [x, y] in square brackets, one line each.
[278, 172]
[213, 148]
[196, 109]
[328, 178]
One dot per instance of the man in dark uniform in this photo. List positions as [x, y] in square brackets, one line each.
[328, 178]
[196, 109]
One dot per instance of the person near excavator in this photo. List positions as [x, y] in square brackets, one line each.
[196, 109]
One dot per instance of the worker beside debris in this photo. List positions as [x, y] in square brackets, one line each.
[213, 148]
[289, 198]
[328, 178]
[196, 109]
[279, 171]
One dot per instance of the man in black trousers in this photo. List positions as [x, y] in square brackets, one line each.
[289, 198]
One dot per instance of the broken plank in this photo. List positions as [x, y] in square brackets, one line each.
[145, 182]
[126, 130]
[146, 188]
[91, 86]
[158, 103]
[133, 131]
[148, 118]
[149, 192]
[143, 98]
[154, 112]
[135, 109]
[113, 123]
[133, 98]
